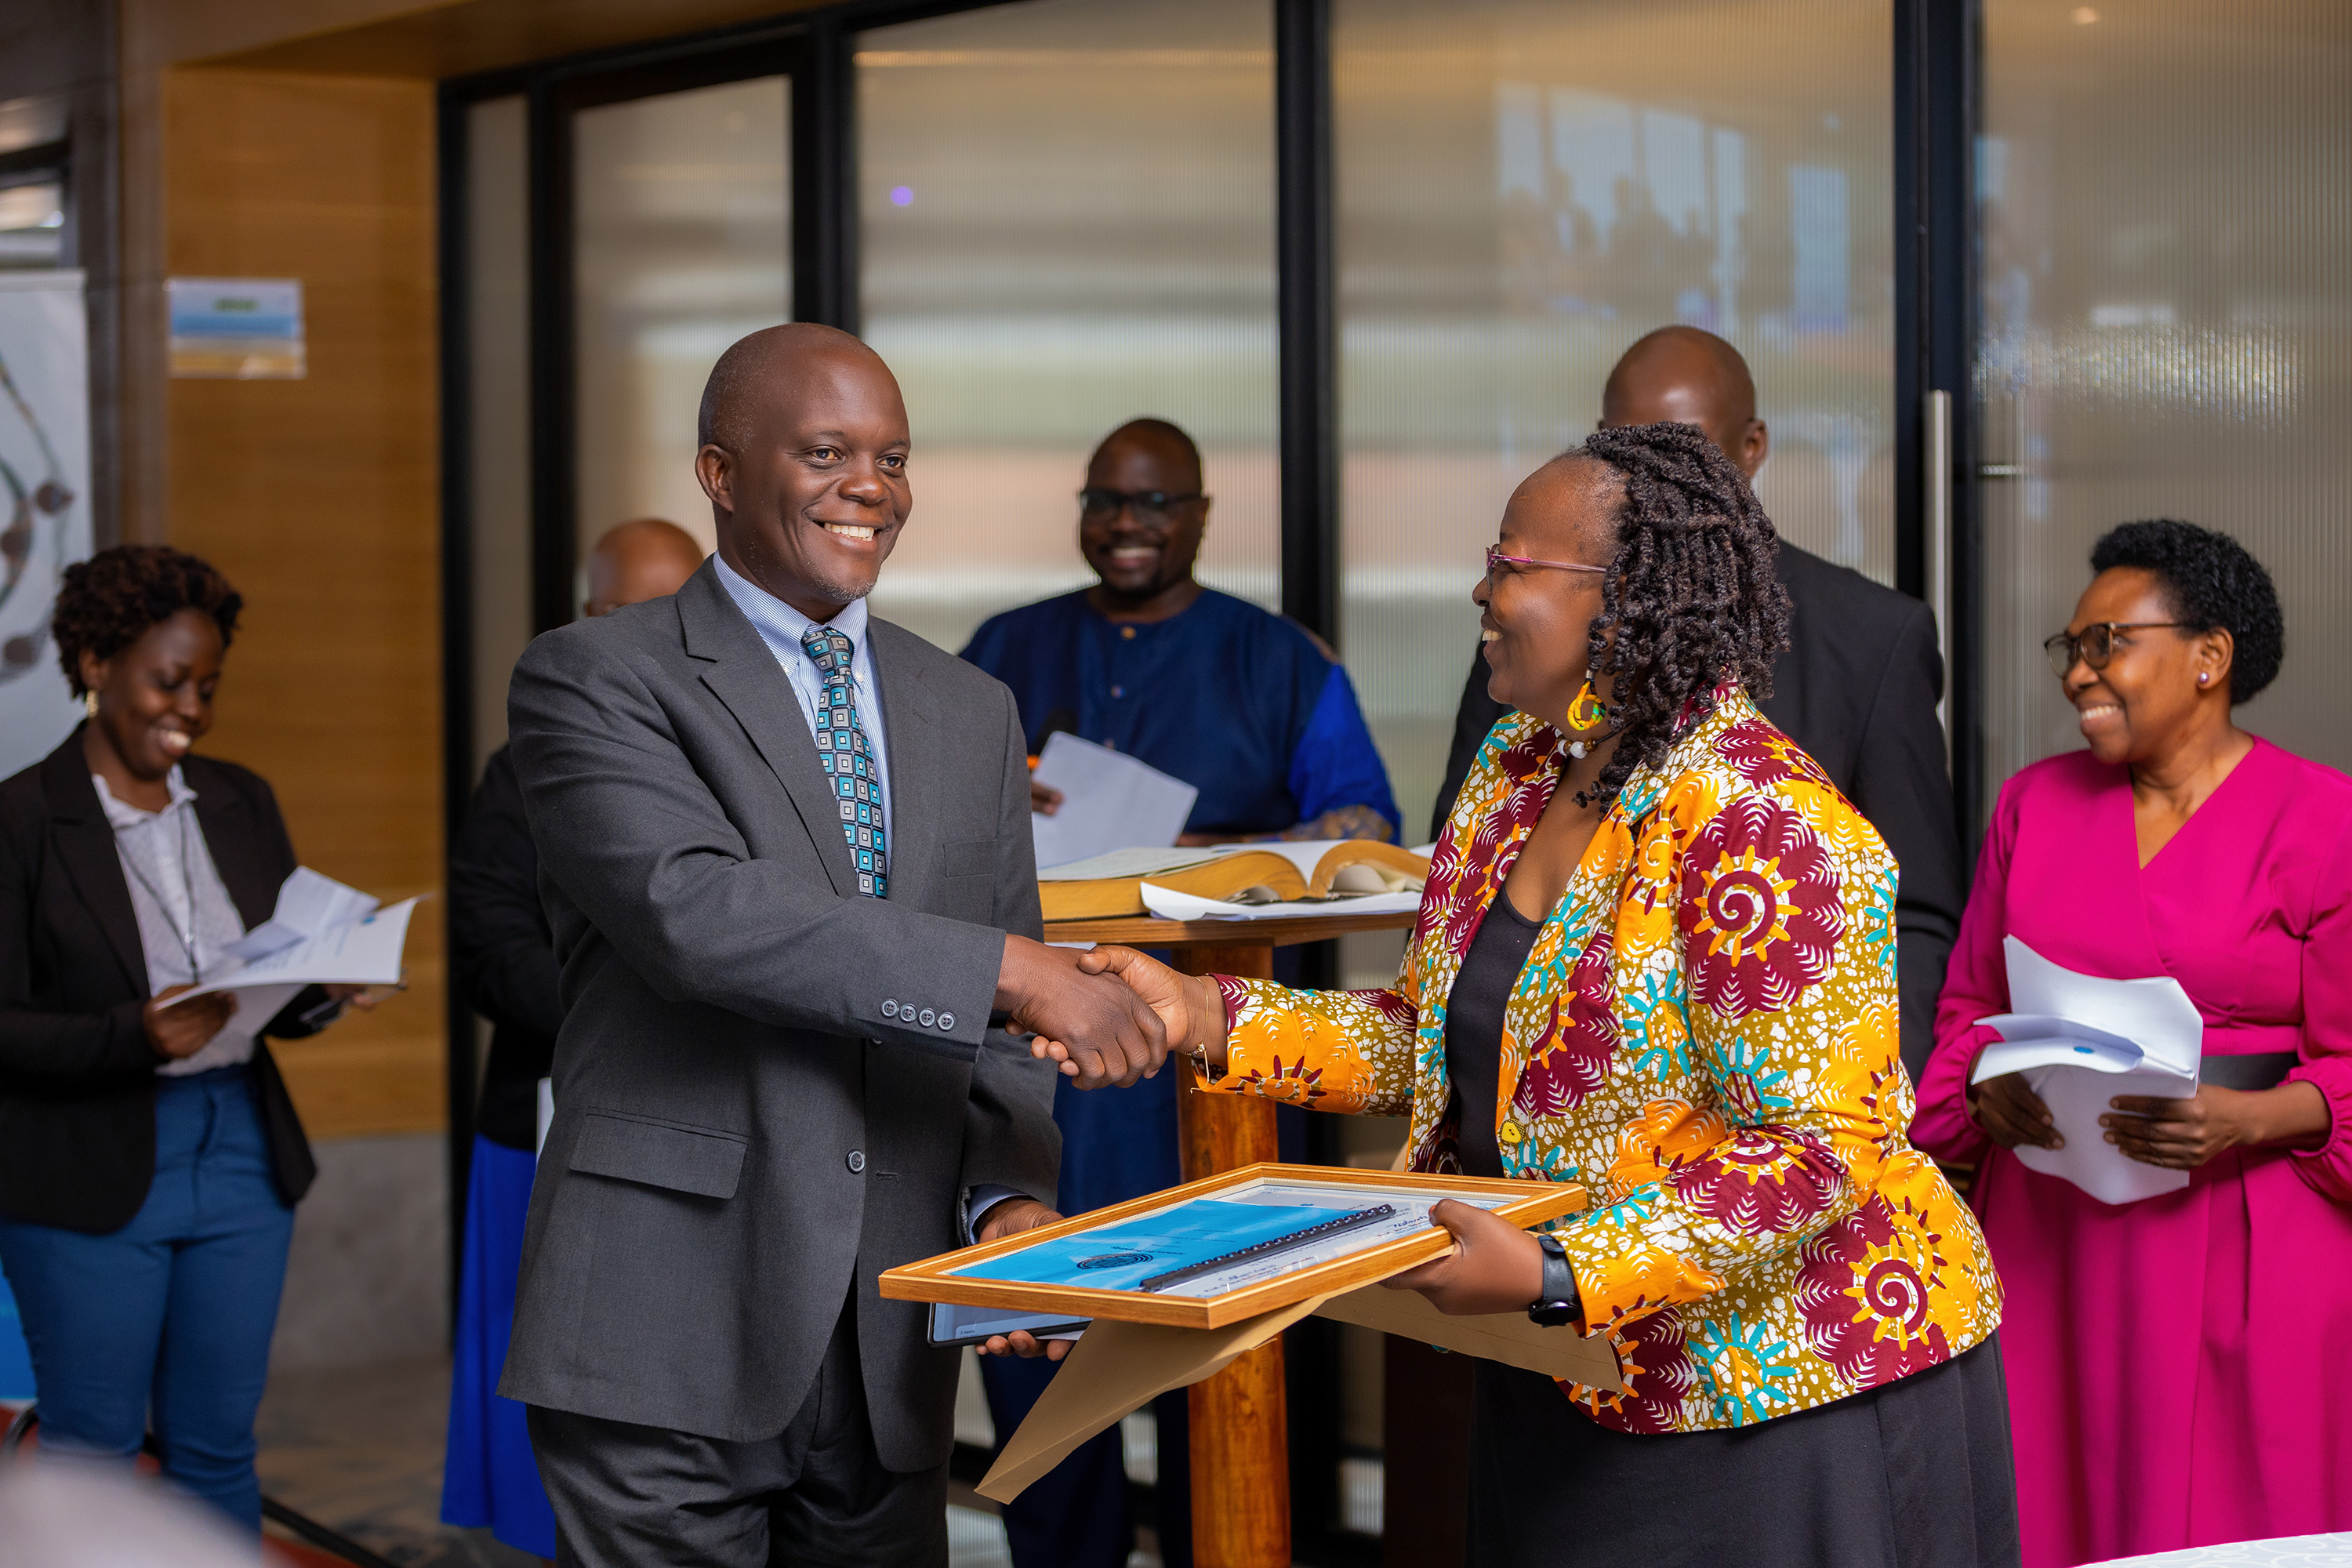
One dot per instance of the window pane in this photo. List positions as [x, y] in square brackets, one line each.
[2167, 326]
[1068, 221]
[683, 211]
[32, 223]
[497, 369]
[1527, 188]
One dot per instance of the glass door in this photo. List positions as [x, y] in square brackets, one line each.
[2164, 191]
[1524, 189]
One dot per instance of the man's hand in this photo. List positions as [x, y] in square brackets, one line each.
[1190, 1006]
[178, 1033]
[2182, 1134]
[1099, 1031]
[1011, 1217]
[2011, 1113]
[1495, 1265]
[1044, 799]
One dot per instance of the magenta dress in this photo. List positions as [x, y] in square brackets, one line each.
[2180, 1368]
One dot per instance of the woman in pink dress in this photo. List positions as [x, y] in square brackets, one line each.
[2180, 1367]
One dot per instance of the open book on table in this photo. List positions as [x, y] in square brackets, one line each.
[1240, 877]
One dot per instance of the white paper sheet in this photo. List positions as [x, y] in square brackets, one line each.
[1110, 801]
[1170, 905]
[2082, 1041]
[364, 952]
[308, 904]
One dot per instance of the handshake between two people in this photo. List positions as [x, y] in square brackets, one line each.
[1109, 1016]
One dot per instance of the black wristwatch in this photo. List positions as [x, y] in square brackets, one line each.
[1557, 1305]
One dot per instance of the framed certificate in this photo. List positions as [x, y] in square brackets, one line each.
[1227, 1247]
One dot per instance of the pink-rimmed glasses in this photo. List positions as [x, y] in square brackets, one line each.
[1495, 557]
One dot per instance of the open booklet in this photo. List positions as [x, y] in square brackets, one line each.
[322, 933]
[1237, 881]
[2080, 1041]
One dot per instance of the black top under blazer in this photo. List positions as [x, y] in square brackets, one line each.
[76, 1074]
[1857, 688]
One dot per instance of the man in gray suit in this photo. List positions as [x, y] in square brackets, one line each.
[785, 851]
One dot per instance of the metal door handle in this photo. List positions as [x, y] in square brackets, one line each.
[1937, 417]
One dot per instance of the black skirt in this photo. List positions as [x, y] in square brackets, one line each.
[1915, 1474]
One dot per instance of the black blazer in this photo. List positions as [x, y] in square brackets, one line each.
[76, 1074]
[1857, 690]
[502, 952]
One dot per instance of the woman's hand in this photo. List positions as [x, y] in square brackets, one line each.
[1190, 1007]
[1011, 1217]
[2182, 1134]
[1044, 799]
[2011, 1113]
[1495, 1265]
[363, 997]
[178, 1033]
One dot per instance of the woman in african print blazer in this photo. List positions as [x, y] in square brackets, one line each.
[1702, 1030]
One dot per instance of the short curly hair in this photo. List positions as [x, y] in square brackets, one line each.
[1691, 590]
[108, 602]
[2209, 582]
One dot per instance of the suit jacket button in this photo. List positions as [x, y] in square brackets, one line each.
[928, 1017]
[946, 1020]
[857, 1161]
[889, 1009]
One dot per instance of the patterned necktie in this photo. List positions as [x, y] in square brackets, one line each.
[841, 746]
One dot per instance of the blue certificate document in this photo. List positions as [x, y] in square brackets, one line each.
[1121, 1256]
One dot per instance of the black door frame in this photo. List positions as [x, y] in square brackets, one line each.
[1935, 79]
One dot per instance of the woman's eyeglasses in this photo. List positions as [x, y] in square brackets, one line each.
[1494, 558]
[2096, 643]
[1152, 508]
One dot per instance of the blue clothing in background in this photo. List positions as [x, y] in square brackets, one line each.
[174, 1311]
[1236, 701]
[16, 1361]
[488, 1475]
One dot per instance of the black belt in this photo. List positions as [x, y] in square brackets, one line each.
[2260, 1069]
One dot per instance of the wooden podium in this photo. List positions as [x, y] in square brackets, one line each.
[1241, 1433]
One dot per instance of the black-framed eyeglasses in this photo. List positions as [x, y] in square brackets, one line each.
[2095, 644]
[1098, 503]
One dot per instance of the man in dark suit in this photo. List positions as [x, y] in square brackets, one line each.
[502, 962]
[785, 851]
[1857, 687]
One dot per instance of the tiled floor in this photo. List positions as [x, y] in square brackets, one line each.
[359, 1450]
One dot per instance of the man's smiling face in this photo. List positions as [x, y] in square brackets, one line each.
[808, 469]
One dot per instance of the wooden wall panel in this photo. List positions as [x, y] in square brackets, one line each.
[319, 498]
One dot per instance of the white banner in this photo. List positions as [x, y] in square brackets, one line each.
[44, 501]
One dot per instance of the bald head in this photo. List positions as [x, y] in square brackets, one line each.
[755, 369]
[1690, 377]
[646, 558]
[1176, 456]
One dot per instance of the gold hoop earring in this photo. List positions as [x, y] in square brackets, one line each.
[89, 702]
[1586, 714]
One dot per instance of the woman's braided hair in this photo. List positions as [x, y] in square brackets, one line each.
[1690, 592]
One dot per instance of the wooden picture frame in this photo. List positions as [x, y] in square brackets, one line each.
[944, 1277]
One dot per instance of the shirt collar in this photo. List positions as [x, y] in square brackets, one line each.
[121, 813]
[779, 625]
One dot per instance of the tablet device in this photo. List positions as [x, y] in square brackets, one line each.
[953, 1325]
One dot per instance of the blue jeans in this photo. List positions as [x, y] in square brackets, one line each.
[175, 1310]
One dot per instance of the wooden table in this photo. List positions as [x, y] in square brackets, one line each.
[1241, 1435]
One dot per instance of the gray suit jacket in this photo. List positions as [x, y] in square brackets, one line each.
[742, 1139]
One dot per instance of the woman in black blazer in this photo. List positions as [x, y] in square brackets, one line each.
[150, 1158]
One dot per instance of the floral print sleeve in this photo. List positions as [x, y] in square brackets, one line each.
[1333, 1050]
[1705, 1036]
